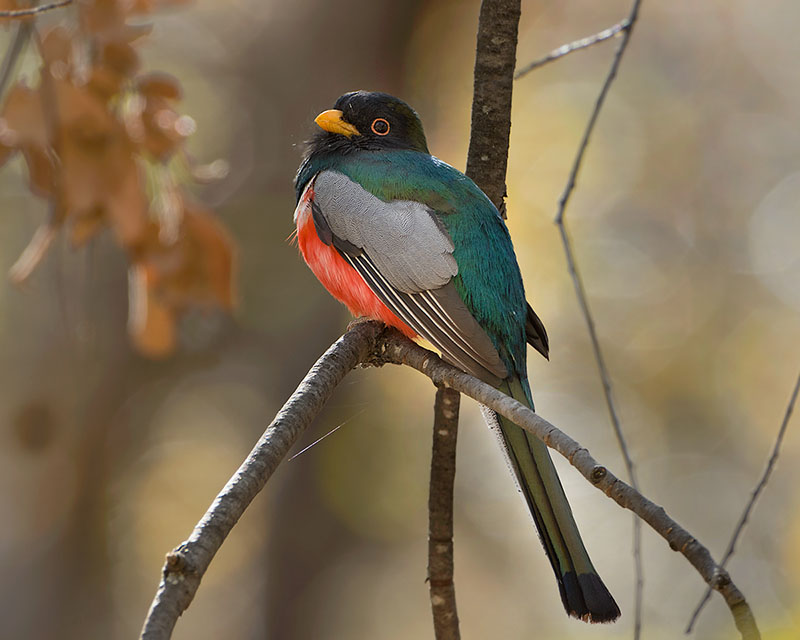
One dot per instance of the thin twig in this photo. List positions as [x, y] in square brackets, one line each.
[13, 52]
[626, 30]
[612, 73]
[187, 563]
[396, 349]
[751, 503]
[440, 515]
[32, 11]
[576, 45]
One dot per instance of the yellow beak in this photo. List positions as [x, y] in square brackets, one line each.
[331, 120]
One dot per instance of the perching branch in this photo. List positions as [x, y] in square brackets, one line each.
[395, 349]
[440, 515]
[32, 11]
[626, 29]
[186, 564]
[372, 344]
[773, 458]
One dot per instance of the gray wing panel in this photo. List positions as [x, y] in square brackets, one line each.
[401, 237]
[439, 316]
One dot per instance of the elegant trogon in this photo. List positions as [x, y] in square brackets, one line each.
[400, 236]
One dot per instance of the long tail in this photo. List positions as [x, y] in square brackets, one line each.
[582, 591]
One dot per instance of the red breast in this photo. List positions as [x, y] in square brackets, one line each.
[336, 275]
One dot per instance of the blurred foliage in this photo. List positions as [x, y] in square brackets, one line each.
[685, 221]
[99, 138]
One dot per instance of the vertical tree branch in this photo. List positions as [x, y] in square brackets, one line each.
[440, 515]
[495, 59]
[487, 160]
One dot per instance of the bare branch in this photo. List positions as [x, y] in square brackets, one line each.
[33, 11]
[394, 348]
[626, 29]
[601, 97]
[440, 515]
[186, 564]
[576, 45]
[753, 497]
[495, 59]
[12, 54]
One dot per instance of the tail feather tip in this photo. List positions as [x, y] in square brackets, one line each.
[587, 598]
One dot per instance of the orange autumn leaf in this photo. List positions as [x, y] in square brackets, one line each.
[157, 84]
[194, 270]
[151, 322]
[99, 170]
[154, 123]
[23, 128]
[149, 6]
[56, 50]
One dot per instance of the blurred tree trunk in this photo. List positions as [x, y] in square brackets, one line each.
[383, 29]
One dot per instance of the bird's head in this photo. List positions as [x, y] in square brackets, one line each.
[371, 121]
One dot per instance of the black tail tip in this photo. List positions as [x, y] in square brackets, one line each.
[586, 597]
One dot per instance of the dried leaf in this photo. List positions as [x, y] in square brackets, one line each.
[106, 20]
[22, 119]
[56, 48]
[197, 269]
[149, 6]
[99, 171]
[213, 250]
[23, 128]
[151, 322]
[159, 85]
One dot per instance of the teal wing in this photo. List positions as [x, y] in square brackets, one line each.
[406, 257]
[488, 280]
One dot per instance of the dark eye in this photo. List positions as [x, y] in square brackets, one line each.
[380, 126]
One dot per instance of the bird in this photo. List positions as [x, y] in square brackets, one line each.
[400, 236]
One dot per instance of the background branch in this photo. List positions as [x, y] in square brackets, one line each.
[576, 45]
[773, 458]
[626, 29]
[32, 11]
[12, 54]
[487, 160]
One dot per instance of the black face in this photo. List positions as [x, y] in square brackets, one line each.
[383, 122]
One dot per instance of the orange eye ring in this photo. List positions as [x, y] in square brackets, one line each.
[380, 126]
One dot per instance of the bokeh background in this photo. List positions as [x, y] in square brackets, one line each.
[687, 228]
